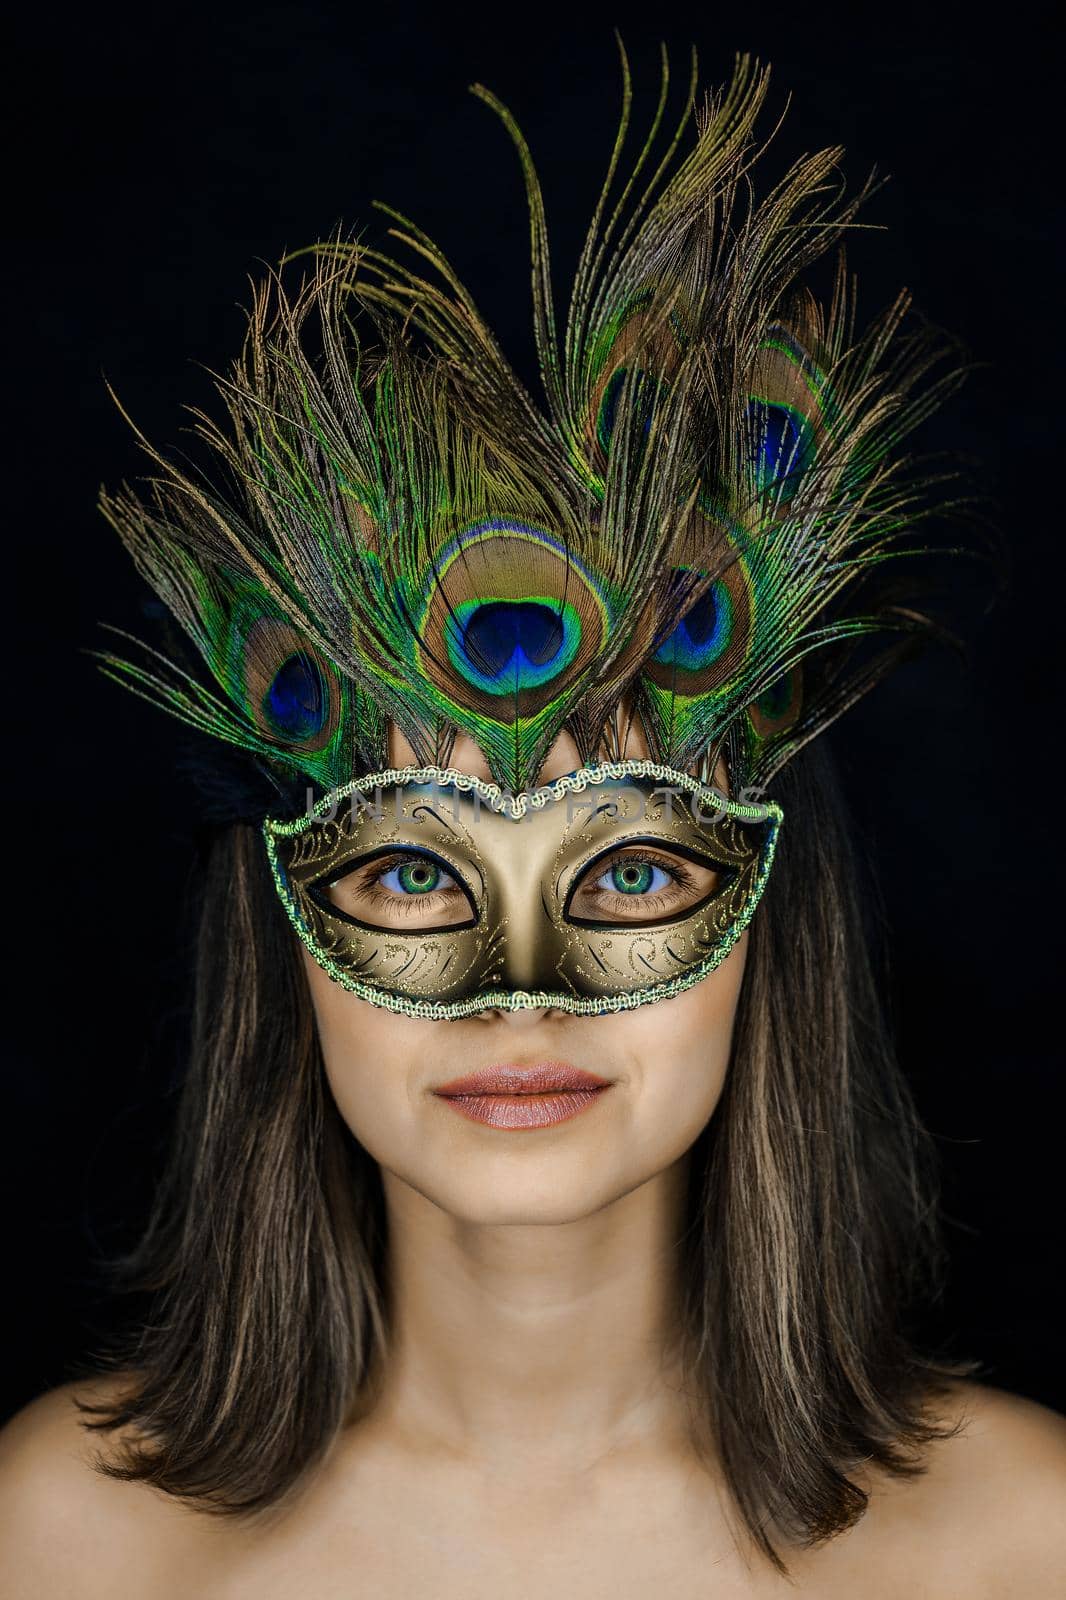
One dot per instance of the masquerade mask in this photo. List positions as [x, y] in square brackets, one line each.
[429, 892]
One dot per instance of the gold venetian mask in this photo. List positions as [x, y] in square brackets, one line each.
[432, 893]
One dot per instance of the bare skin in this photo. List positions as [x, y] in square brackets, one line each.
[398, 1513]
[530, 1437]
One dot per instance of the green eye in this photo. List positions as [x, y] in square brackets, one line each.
[408, 891]
[417, 876]
[630, 888]
[634, 877]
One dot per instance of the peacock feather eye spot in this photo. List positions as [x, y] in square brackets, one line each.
[499, 632]
[775, 701]
[296, 703]
[507, 620]
[777, 709]
[703, 620]
[509, 645]
[643, 389]
[778, 445]
[703, 633]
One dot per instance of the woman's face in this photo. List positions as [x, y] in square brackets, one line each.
[663, 1065]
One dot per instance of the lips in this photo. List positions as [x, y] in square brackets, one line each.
[516, 1097]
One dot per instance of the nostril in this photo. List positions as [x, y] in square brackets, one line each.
[516, 1011]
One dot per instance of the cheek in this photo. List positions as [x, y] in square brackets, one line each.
[683, 1047]
[366, 1052]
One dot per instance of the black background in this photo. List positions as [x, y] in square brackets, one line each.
[162, 158]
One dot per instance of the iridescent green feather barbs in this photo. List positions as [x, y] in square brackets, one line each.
[692, 530]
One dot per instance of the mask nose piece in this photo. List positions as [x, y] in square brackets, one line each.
[523, 869]
[529, 939]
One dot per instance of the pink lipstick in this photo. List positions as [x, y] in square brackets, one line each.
[523, 1097]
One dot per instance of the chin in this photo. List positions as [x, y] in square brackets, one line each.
[515, 1189]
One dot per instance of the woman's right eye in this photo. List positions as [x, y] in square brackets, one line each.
[404, 890]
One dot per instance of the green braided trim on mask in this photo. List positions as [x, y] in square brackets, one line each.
[516, 807]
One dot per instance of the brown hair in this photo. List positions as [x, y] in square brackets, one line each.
[811, 1222]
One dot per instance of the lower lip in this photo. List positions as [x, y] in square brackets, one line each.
[520, 1111]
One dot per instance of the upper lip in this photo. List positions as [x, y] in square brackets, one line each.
[543, 1077]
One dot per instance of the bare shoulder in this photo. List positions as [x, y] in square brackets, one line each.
[988, 1515]
[1005, 1445]
[66, 1529]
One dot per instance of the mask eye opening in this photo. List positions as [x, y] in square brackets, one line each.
[318, 892]
[726, 874]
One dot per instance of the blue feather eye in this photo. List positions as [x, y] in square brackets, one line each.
[643, 390]
[703, 634]
[507, 621]
[500, 633]
[505, 646]
[297, 702]
[779, 445]
[777, 709]
[776, 702]
[289, 689]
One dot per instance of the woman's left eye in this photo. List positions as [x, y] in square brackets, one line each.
[634, 877]
[416, 877]
[638, 885]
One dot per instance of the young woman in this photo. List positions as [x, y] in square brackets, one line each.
[546, 1206]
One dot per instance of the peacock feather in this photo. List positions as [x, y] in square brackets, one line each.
[690, 528]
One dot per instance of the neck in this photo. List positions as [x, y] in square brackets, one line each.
[559, 1336]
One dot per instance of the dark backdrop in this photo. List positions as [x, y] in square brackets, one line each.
[162, 158]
